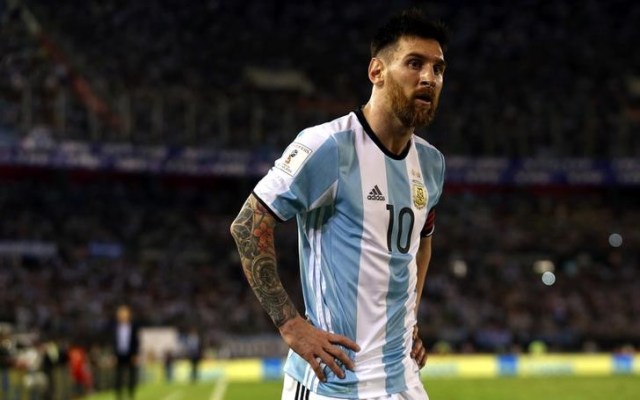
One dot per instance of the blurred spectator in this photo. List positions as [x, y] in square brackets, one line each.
[55, 359]
[536, 79]
[80, 370]
[168, 360]
[193, 351]
[38, 138]
[101, 362]
[176, 267]
[29, 359]
[126, 350]
[6, 362]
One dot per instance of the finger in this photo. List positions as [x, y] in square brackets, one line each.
[331, 363]
[336, 352]
[415, 349]
[317, 368]
[345, 341]
[422, 357]
[423, 361]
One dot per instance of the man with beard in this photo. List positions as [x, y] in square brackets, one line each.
[363, 190]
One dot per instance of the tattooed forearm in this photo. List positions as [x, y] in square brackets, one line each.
[252, 231]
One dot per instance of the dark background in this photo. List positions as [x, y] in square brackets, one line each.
[533, 79]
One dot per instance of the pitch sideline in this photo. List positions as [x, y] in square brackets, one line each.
[220, 389]
[175, 395]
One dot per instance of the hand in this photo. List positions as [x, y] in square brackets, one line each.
[418, 352]
[315, 345]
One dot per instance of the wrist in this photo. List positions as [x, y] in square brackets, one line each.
[282, 315]
[289, 324]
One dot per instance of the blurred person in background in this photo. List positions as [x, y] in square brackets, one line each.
[167, 362]
[193, 349]
[80, 370]
[126, 348]
[54, 360]
[6, 362]
[363, 189]
[101, 362]
[29, 360]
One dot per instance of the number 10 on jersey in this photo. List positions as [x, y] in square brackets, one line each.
[405, 219]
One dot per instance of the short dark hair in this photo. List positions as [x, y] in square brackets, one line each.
[411, 22]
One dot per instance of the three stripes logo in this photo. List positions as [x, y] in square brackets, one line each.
[376, 194]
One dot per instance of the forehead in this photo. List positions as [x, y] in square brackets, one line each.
[428, 48]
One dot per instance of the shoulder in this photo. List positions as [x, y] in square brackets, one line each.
[429, 155]
[320, 142]
[318, 135]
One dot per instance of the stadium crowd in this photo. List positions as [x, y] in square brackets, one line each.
[531, 78]
[163, 246]
[525, 79]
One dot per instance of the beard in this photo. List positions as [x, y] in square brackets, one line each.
[410, 113]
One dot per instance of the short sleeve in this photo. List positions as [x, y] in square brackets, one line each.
[440, 181]
[434, 166]
[303, 178]
[430, 224]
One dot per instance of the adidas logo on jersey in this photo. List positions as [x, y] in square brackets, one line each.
[376, 194]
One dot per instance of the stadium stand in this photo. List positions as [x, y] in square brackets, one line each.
[563, 75]
[164, 247]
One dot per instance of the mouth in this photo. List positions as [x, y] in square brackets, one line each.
[425, 98]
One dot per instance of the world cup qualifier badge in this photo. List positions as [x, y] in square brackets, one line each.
[293, 159]
[420, 195]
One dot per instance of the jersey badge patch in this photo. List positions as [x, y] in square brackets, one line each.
[294, 158]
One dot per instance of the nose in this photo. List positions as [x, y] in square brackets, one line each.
[427, 77]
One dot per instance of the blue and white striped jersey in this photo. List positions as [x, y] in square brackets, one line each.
[361, 212]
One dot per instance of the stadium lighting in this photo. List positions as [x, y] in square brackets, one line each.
[542, 266]
[548, 278]
[615, 240]
[459, 268]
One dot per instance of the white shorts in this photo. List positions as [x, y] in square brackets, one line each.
[293, 390]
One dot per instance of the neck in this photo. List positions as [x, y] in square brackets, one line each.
[386, 126]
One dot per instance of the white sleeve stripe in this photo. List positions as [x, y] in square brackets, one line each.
[433, 229]
[329, 194]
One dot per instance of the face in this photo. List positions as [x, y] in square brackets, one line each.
[413, 80]
[123, 314]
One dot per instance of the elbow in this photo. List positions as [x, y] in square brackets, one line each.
[232, 230]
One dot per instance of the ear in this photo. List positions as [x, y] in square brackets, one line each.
[376, 69]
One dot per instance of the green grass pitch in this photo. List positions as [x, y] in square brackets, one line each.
[539, 388]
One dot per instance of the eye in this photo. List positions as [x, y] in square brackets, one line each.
[414, 63]
[438, 69]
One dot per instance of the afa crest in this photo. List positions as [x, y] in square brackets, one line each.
[419, 195]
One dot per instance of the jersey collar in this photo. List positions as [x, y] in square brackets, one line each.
[376, 140]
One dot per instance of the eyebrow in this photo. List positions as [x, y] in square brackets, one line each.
[437, 60]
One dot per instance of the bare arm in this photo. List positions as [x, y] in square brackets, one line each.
[422, 259]
[418, 352]
[253, 232]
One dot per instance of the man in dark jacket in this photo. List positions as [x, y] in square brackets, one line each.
[126, 346]
[6, 361]
[193, 350]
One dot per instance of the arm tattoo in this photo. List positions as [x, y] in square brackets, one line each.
[253, 232]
